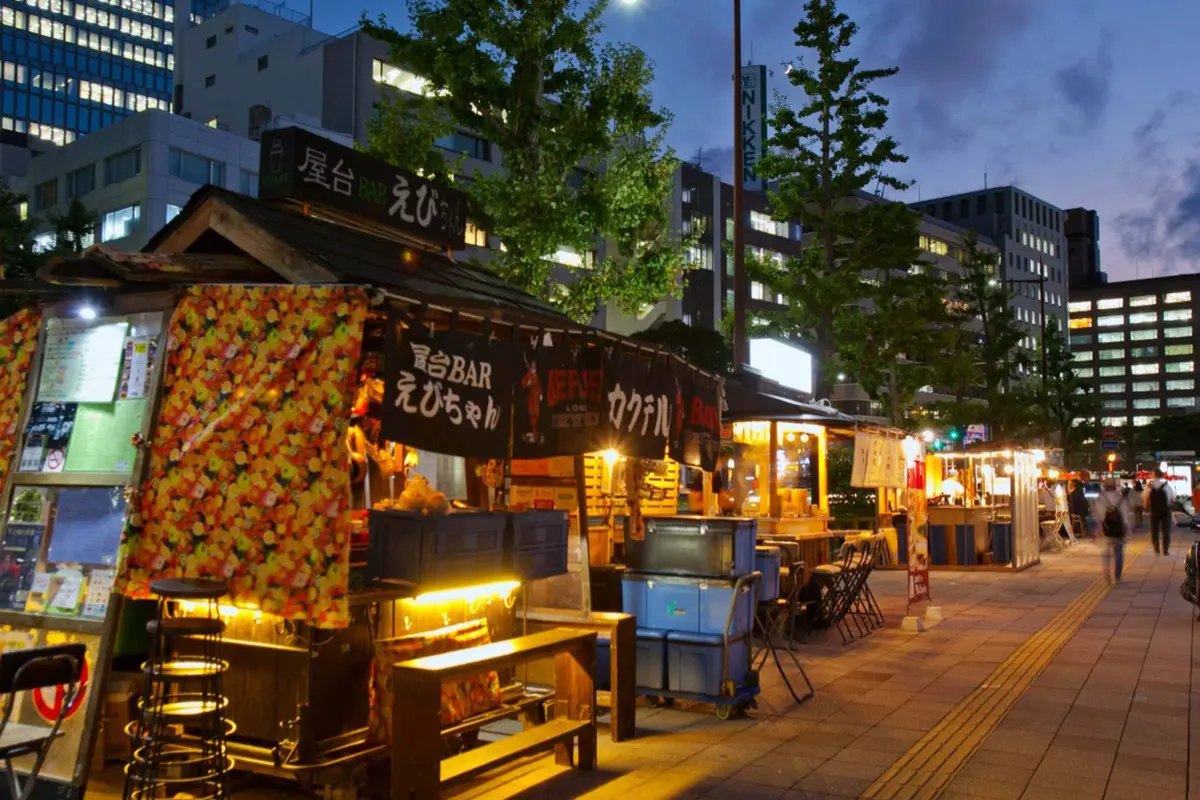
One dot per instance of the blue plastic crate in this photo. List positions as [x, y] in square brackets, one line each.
[633, 596]
[937, 544]
[694, 663]
[674, 605]
[651, 659]
[901, 524]
[964, 545]
[460, 549]
[1002, 542]
[768, 561]
[537, 544]
[715, 599]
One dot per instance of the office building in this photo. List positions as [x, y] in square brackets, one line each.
[1081, 226]
[1028, 232]
[1135, 343]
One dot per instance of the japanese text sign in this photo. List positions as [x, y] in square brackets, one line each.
[696, 422]
[448, 392]
[640, 402]
[559, 407]
[303, 166]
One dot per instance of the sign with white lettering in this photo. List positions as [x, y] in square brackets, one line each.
[298, 165]
[559, 400]
[754, 125]
[640, 398]
[447, 392]
[696, 420]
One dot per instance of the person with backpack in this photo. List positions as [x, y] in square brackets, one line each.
[1112, 513]
[1157, 500]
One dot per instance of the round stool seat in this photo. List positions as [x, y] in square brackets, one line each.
[188, 589]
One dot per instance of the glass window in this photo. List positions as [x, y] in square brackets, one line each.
[1143, 369]
[1112, 354]
[1080, 339]
[935, 246]
[1181, 402]
[1088, 372]
[466, 144]
[1141, 421]
[475, 237]
[44, 242]
[210, 81]
[1115, 422]
[1177, 297]
[1083, 355]
[1111, 321]
[1181, 385]
[1145, 386]
[120, 223]
[1145, 351]
[1181, 366]
[763, 223]
[1143, 317]
[757, 290]
[195, 169]
[248, 183]
[1177, 315]
[1143, 403]
[1177, 333]
[401, 79]
[45, 195]
[1080, 322]
[1108, 337]
[1110, 303]
[1114, 405]
[122, 166]
[1177, 350]
[1142, 336]
[81, 181]
[262, 63]
[1143, 300]
[172, 211]
[1112, 388]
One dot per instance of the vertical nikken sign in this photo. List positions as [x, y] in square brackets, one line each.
[754, 125]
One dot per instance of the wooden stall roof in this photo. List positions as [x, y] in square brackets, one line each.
[221, 236]
[749, 397]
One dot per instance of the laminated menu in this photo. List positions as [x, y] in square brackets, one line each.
[81, 361]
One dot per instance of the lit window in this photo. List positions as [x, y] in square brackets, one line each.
[764, 224]
[1147, 351]
[1110, 303]
[1079, 305]
[1111, 388]
[1143, 317]
[1177, 350]
[400, 78]
[213, 123]
[1145, 403]
[1143, 335]
[1144, 369]
[120, 223]
[935, 246]
[1113, 405]
[122, 166]
[1181, 366]
[476, 237]
[1177, 297]
[1177, 315]
[172, 211]
[195, 169]
[44, 242]
[1143, 300]
[757, 290]
[1111, 372]
[1115, 422]
[1110, 336]
[1181, 402]
[1110, 321]
[1177, 333]
[1083, 355]
[1181, 385]
[1145, 386]
[1087, 372]
[1080, 322]
[1112, 354]
[1140, 421]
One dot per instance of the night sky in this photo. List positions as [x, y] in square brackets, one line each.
[1080, 102]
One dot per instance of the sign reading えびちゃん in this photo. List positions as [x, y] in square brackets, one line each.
[299, 165]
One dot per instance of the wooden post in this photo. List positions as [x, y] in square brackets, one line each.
[575, 700]
[774, 507]
[416, 735]
[623, 677]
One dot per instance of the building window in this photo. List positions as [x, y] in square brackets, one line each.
[1117, 353]
[195, 169]
[935, 246]
[1114, 405]
[1079, 305]
[248, 183]
[1111, 320]
[262, 63]
[1177, 333]
[210, 42]
[251, 29]
[1083, 355]
[172, 212]
[120, 223]
[1176, 367]
[1143, 317]
[1145, 386]
[466, 144]
[210, 81]
[1081, 339]
[1089, 372]
[1110, 303]
[400, 78]
[1143, 300]
[1112, 388]
[764, 224]
[1080, 322]
[757, 290]
[1177, 315]
[1115, 422]
[1139, 422]
[687, 195]
[45, 195]
[1143, 335]
[1181, 385]
[1177, 350]
[1108, 337]
[1181, 402]
[81, 181]
[1177, 297]
[981, 204]
[44, 242]
[122, 166]
[1146, 351]
[1143, 369]
[476, 237]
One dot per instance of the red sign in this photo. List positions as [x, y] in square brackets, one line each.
[48, 701]
[918, 539]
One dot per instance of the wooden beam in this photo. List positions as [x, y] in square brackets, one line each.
[265, 248]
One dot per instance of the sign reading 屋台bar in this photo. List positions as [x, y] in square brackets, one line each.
[298, 165]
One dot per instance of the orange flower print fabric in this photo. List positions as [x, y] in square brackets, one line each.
[248, 480]
[18, 343]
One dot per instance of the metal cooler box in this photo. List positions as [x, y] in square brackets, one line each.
[720, 547]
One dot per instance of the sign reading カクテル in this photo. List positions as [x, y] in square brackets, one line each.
[299, 165]
[639, 398]
[448, 392]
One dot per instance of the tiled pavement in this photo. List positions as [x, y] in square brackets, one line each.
[1108, 716]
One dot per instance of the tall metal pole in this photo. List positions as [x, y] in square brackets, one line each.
[740, 356]
[1042, 296]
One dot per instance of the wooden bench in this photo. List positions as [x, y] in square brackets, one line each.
[418, 771]
[621, 632]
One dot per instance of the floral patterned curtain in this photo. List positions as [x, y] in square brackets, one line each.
[18, 343]
[248, 480]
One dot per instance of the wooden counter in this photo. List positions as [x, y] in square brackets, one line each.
[976, 517]
[811, 535]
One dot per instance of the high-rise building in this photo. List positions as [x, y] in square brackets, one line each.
[1029, 234]
[1081, 226]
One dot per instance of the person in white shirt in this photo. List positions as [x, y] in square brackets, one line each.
[1113, 517]
[1157, 500]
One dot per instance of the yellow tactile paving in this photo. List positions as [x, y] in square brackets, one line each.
[929, 766]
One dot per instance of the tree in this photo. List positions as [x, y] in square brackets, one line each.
[582, 142]
[821, 157]
[18, 262]
[74, 230]
[1066, 399]
[705, 348]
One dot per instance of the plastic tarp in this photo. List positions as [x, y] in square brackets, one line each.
[248, 480]
[18, 343]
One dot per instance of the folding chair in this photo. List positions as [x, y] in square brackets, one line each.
[28, 670]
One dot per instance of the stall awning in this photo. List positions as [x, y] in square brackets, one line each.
[751, 397]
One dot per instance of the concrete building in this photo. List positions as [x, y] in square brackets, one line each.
[1081, 226]
[1028, 232]
[1135, 342]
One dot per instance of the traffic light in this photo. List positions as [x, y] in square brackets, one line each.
[953, 434]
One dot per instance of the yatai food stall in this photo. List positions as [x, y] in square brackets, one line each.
[265, 397]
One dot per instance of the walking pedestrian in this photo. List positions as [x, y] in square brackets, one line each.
[1113, 515]
[1157, 500]
[1078, 505]
[1138, 508]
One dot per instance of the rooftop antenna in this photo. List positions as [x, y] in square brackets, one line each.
[985, 180]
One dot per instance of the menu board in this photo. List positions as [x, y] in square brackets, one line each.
[81, 361]
[103, 437]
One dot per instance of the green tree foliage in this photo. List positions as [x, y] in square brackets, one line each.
[1065, 399]
[18, 262]
[705, 348]
[74, 229]
[581, 139]
[822, 156]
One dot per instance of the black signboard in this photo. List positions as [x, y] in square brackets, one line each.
[559, 408]
[696, 428]
[298, 165]
[639, 397]
[447, 392]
